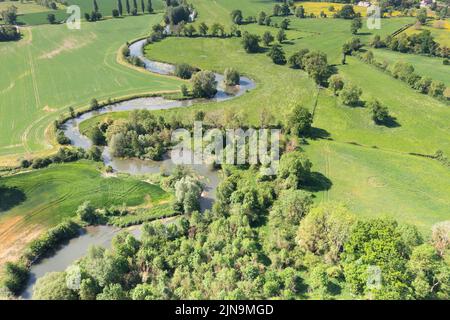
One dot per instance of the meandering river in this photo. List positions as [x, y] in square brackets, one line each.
[102, 235]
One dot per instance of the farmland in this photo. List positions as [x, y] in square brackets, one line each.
[41, 199]
[40, 68]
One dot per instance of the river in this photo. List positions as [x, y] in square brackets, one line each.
[102, 235]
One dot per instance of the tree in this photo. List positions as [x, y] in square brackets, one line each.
[430, 273]
[217, 30]
[51, 18]
[236, 16]
[204, 84]
[9, 15]
[325, 230]
[97, 137]
[149, 6]
[251, 42]
[262, 18]
[127, 5]
[15, 276]
[276, 10]
[375, 259]
[319, 281]
[188, 193]
[231, 77]
[316, 64]
[113, 292]
[276, 53]
[142, 6]
[299, 121]
[285, 24]
[9, 33]
[336, 83]
[267, 38]
[294, 170]
[281, 36]
[437, 88]
[203, 29]
[86, 212]
[115, 13]
[95, 6]
[350, 94]
[346, 12]
[296, 60]
[440, 237]
[422, 16]
[184, 71]
[300, 12]
[52, 286]
[380, 113]
[356, 25]
[119, 7]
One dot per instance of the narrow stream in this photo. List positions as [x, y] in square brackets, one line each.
[102, 235]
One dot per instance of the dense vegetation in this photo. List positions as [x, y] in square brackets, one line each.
[263, 240]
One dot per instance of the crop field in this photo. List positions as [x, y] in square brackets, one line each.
[317, 7]
[40, 199]
[54, 68]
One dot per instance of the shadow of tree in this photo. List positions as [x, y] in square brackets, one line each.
[318, 133]
[317, 182]
[10, 197]
[390, 122]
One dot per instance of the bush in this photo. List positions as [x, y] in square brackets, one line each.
[350, 95]
[380, 113]
[276, 53]
[87, 213]
[296, 60]
[251, 42]
[16, 277]
[299, 121]
[184, 71]
[231, 77]
[204, 84]
[61, 138]
[115, 13]
[51, 240]
[436, 89]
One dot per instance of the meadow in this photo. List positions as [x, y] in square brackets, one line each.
[440, 30]
[40, 199]
[53, 68]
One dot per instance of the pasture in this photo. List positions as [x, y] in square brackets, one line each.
[440, 30]
[40, 199]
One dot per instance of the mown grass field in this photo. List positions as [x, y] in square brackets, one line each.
[53, 68]
[23, 7]
[42, 198]
[423, 65]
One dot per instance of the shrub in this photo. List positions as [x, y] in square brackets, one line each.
[296, 60]
[204, 84]
[184, 71]
[16, 277]
[380, 113]
[276, 53]
[231, 77]
[350, 94]
[436, 89]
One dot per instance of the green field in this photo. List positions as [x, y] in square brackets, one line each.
[42, 198]
[426, 66]
[106, 6]
[23, 7]
[53, 68]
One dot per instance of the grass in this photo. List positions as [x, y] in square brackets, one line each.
[372, 182]
[23, 7]
[53, 68]
[43, 198]
[144, 215]
[441, 34]
[423, 65]
[106, 6]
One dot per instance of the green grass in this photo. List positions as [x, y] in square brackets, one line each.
[23, 7]
[54, 193]
[40, 199]
[372, 183]
[38, 18]
[144, 215]
[106, 6]
[54, 68]
[423, 65]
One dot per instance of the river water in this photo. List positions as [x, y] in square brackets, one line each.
[102, 235]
